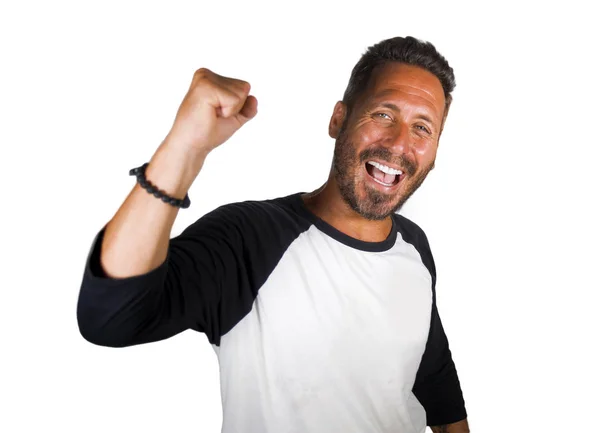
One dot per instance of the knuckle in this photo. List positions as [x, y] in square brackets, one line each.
[245, 85]
[201, 73]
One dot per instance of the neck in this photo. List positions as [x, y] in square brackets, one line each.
[328, 204]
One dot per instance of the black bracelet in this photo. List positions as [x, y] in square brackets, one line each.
[140, 174]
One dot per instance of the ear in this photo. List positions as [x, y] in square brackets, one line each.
[337, 119]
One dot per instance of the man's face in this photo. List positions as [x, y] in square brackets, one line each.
[388, 143]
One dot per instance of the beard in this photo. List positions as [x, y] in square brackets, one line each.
[374, 205]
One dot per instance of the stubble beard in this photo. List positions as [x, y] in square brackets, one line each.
[375, 206]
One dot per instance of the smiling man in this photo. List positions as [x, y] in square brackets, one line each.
[320, 306]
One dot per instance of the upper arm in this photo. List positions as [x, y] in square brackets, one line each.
[184, 292]
[208, 282]
[437, 386]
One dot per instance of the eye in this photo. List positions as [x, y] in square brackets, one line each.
[424, 129]
[383, 115]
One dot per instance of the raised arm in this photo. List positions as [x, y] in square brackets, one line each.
[137, 237]
[131, 293]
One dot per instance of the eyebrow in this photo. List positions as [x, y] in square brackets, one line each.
[421, 116]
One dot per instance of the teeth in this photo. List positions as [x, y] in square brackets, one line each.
[384, 168]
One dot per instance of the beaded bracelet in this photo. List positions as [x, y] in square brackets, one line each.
[140, 174]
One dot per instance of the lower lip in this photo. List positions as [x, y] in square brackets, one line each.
[380, 186]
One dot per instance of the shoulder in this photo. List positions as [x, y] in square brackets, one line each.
[412, 233]
[251, 218]
[260, 212]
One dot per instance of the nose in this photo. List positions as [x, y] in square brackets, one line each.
[399, 141]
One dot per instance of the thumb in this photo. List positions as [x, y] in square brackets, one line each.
[249, 110]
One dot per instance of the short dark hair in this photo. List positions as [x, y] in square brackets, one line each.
[403, 50]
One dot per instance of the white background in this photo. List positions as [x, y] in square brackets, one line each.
[89, 89]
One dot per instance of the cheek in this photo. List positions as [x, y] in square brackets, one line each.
[426, 154]
[367, 134]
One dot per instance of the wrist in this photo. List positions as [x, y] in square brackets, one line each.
[182, 146]
[173, 170]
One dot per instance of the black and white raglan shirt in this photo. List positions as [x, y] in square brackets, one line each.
[315, 331]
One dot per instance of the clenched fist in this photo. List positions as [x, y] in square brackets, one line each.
[211, 111]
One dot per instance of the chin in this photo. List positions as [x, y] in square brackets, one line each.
[373, 205]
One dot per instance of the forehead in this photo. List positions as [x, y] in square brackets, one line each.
[401, 81]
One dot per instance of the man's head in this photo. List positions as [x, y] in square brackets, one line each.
[390, 121]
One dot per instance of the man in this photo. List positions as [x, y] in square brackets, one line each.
[320, 306]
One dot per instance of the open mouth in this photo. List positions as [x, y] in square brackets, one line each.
[382, 174]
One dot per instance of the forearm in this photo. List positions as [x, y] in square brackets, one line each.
[457, 427]
[136, 239]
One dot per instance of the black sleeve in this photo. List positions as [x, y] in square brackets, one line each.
[437, 386]
[184, 292]
[207, 283]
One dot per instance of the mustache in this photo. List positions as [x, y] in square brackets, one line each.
[385, 155]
